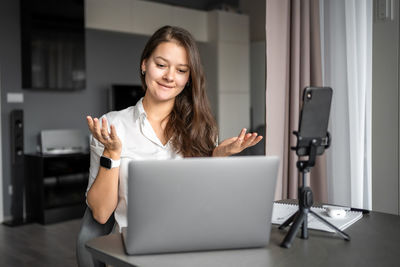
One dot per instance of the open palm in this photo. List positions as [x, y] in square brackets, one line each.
[109, 139]
[236, 144]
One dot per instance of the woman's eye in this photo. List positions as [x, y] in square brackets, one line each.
[182, 71]
[161, 65]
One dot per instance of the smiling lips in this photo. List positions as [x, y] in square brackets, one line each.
[165, 86]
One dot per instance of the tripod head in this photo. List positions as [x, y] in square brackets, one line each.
[310, 147]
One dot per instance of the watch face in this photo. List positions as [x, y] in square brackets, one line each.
[105, 162]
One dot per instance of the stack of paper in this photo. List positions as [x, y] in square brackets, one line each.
[283, 211]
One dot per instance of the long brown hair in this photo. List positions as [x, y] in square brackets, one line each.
[191, 125]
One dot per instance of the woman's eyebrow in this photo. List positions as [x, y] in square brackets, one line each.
[166, 60]
[159, 57]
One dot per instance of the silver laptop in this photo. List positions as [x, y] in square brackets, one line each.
[199, 204]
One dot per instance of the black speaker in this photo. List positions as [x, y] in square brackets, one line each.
[17, 167]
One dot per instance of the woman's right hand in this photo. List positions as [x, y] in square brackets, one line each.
[110, 140]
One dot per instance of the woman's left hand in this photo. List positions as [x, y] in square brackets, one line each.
[236, 144]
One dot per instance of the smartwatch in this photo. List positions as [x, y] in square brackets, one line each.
[109, 163]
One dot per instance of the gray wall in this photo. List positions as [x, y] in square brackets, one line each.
[257, 81]
[110, 58]
[385, 114]
[256, 11]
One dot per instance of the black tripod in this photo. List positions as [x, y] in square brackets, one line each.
[300, 218]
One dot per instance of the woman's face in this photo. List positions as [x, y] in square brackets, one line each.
[167, 72]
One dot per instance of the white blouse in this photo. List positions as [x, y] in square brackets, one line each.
[139, 142]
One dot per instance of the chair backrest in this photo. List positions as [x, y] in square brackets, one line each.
[90, 229]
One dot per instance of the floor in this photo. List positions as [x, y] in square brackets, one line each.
[39, 245]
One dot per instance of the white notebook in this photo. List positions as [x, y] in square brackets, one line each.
[282, 211]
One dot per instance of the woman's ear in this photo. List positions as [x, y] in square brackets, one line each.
[143, 66]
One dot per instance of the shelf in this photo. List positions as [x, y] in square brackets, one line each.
[55, 186]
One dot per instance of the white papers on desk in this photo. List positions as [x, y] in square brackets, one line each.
[282, 211]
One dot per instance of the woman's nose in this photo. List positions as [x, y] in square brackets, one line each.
[169, 75]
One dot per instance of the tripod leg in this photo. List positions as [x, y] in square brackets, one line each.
[304, 227]
[287, 242]
[288, 221]
[343, 234]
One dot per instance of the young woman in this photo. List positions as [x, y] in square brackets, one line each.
[172, 120]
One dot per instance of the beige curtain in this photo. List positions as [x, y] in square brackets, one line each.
[293, 56]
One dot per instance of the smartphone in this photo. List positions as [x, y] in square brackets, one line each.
[314, 119]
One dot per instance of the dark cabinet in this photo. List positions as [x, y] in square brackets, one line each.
[55, 186]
